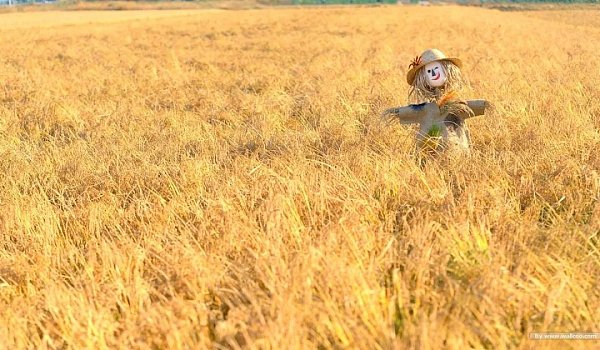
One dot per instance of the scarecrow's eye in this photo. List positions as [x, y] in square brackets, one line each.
[429, 71]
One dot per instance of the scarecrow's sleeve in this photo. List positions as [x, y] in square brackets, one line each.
[478, 106]
[409, 114]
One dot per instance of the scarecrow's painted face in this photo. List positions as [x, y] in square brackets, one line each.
[435, 73]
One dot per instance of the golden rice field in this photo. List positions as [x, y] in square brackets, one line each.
[222, 179]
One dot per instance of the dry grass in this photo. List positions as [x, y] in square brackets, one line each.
[221, 179]
[134, 5]
[32, 21]
[538, 6]
[589, 18]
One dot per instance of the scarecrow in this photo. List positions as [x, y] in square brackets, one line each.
[435, 81]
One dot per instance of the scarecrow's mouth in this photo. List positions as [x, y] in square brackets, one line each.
[437, 77]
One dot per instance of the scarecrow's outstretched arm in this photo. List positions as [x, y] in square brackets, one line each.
[478, 106]
[408, 114]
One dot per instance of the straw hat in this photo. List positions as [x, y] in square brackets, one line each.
[426, 57]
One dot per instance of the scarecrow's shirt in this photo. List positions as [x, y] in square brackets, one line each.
[417, 107]
[453, 122]
[441, 125]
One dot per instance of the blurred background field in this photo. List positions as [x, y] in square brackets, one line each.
[120, 5]
[221, 179]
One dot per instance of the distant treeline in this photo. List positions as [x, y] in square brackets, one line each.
[23, 2]
[532, 1]
[319, 2]
[316, 2]
[324, 2]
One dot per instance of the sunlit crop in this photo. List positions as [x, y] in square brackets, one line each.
[222, 179]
